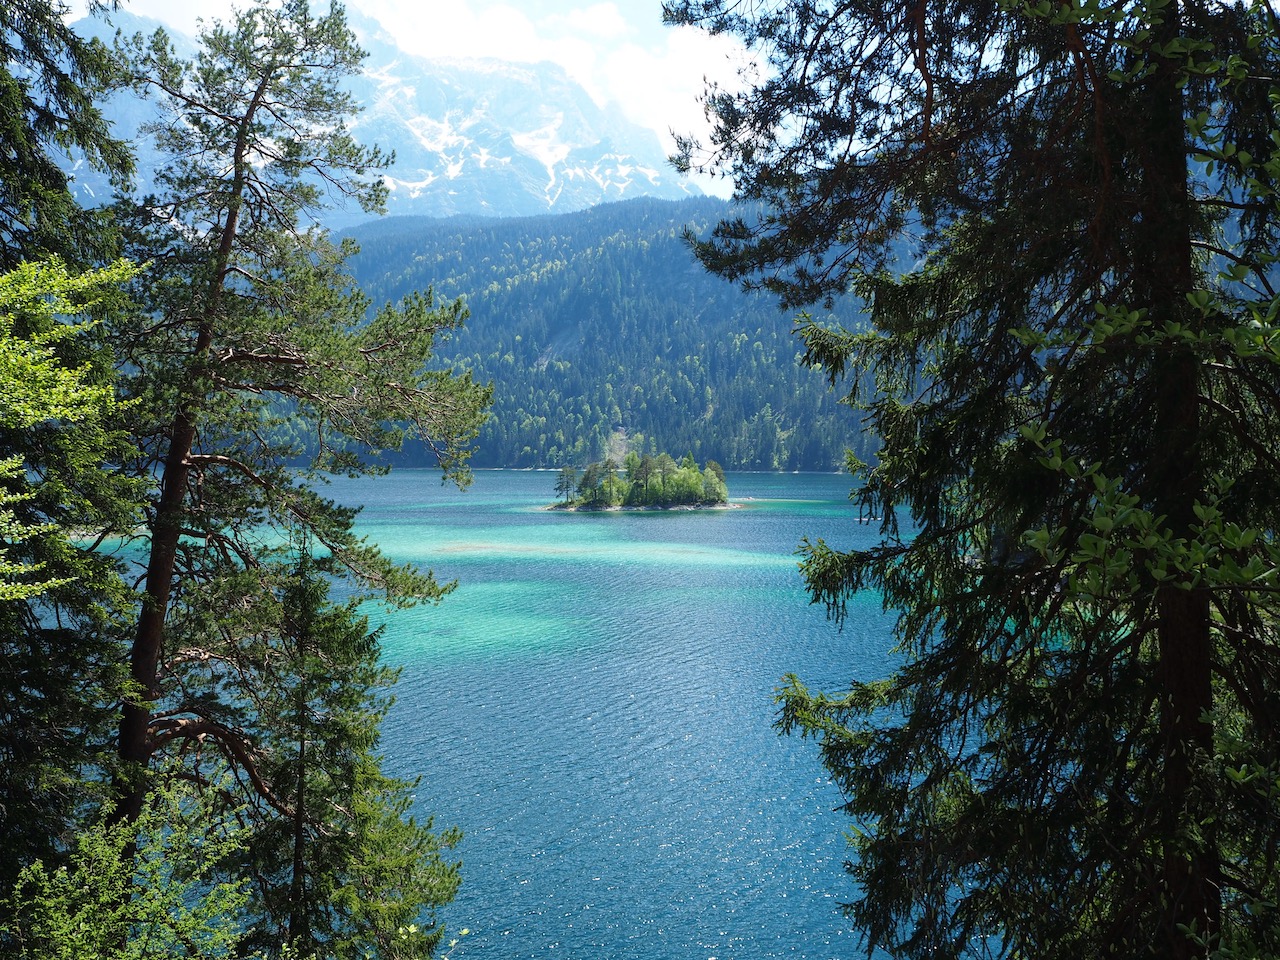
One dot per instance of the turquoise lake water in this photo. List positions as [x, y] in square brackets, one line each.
[593, 706]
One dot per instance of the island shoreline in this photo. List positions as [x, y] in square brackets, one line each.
[640, 508]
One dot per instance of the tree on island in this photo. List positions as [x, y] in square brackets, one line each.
[649, 482]
[610, 470]
[567, 482]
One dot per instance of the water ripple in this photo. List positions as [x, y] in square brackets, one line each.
[593, 706]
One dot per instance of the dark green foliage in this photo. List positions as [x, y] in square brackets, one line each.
[50, 80]
[341, 870]
[60, 670]
[597, 322]
[1062, 217]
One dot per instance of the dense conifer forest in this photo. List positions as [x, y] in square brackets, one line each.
[601, 324]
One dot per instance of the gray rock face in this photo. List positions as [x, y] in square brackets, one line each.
[504, 139]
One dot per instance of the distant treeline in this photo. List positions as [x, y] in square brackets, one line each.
[601, 323]
[646, 481]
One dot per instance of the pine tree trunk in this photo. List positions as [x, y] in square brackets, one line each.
[299, 920]
[299, 925]
[144, 661]
[1176, 478]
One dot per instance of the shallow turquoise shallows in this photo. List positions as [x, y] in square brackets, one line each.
[593, 706]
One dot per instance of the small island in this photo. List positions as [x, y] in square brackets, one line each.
[642, 483]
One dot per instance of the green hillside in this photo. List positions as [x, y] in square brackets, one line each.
[599, 325]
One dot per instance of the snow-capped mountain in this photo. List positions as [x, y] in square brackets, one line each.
[476, 136]
[501, 138]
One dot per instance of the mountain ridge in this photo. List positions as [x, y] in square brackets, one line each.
[492, 137]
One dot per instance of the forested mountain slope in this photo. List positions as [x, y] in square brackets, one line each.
[601, 323]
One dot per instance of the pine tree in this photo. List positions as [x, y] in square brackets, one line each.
[50, 81]
[59, 661]
[341, 870]
[1061, 218]
[249, 323]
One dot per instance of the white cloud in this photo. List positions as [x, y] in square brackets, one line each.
[456, 29]
[183, 17]
[603, 21]
[661, 87]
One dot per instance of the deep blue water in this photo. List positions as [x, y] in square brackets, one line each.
[593, 706]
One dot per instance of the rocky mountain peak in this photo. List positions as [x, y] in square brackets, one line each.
[487, 137]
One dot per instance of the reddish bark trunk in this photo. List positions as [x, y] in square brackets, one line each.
[135, 746]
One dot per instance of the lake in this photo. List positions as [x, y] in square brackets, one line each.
[593, 706]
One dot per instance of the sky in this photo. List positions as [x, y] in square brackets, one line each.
[618, 50]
